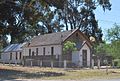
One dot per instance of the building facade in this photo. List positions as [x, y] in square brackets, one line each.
[49, 47]
[12, 54]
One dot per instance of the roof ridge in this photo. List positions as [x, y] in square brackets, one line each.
[54, 33]
[58, 32]
[51, 38]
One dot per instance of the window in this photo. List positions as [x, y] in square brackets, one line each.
[44, 51]
[16, 56]
[0, 55]
[52, 51]
[36, 51]
[29, 52]
[76, 34]
[32, 53]
[20, 55]
[10, 56]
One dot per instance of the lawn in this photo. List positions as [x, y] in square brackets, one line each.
[19, 72]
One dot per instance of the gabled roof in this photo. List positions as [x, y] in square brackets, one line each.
[13, 47]
[53, 38]
[49, 39]
[84, 42]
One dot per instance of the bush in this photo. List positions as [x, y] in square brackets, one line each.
[117, 62]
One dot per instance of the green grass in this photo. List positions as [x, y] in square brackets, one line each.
[19, 72]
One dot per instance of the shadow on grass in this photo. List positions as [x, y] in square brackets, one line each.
[14, 74]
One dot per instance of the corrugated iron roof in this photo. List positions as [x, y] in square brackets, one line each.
[13, 47]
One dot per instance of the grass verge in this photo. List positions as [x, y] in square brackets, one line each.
[19, 72]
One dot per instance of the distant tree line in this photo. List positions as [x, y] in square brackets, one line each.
[111, 44]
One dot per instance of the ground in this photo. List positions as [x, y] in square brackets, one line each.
[29, 73]
[60, 80]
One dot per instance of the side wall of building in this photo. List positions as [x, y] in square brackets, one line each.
[43, 50]
[44, 54]
[11, 57]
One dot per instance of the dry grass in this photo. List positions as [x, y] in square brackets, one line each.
[13, 72]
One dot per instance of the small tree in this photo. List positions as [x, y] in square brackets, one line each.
[69, 46]
[100, 49]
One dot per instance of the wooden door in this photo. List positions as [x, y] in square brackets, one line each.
[84, 54]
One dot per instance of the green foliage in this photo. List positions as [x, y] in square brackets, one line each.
[3, 41]
[23, 19]
[80, 13]
[113, 33]
[100, 48]
[117, 62]
[113, 36]
[69, 46]
[112, 49]
[115, 49]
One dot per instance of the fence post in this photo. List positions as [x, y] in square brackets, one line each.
[106, 67]
[60, 60]
[3, 62]
[65, 64]
[51, 63]
[15, 63]
[9, 62]
[23, 62]
[41, 63]
[98, 63]
[92, 63]
[79, 64]
[31, 63]
[38, 62]
[113, 66]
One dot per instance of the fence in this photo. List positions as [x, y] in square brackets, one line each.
[48, 63]
[61, 64]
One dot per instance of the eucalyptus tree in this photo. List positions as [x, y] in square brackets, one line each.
[23, 19]
[18, 19]
[80, 13]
